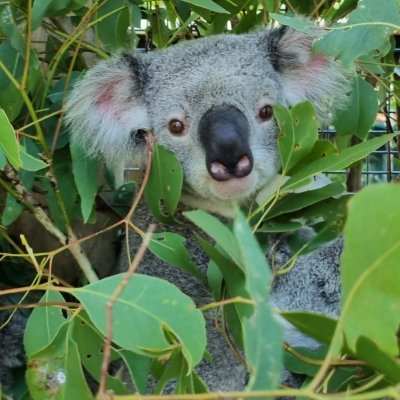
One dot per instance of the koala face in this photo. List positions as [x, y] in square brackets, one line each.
[210, 101]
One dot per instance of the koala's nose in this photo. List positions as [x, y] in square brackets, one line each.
[224, 134]
[221, 172]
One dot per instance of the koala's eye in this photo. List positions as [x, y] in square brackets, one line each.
[266, 113]
[176, 127]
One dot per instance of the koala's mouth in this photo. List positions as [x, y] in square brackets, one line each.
[234, 188]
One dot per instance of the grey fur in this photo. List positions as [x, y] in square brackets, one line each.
[127, 93]
[12, 353]
[119, 97]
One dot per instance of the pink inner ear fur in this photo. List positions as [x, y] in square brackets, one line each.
[318, 61]
[106, 101]
[306, 78]
[309, 74]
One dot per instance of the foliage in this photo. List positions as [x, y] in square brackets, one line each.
[45, 45]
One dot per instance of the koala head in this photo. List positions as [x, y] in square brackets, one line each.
[209, 101]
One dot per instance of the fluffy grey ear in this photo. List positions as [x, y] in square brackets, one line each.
[307, 75]
[106, 109]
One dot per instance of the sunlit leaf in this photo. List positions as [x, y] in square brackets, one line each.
[367, 29]
[153, 306]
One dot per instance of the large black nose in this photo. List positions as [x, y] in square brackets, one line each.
[224, 133]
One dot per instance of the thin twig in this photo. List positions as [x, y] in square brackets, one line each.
[110, 304]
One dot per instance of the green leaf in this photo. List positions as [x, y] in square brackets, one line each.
[262, 335]
[139, 369]
[318, 326]
[8, 141]
[321, 149]
[298, 133]
[344, 8]
[370, 269]
[232, 274]
[367, 29]
[56, 372]
[123, 198]
[39, 11]
[208, 5]
[9, 26]
[302, 25]
[63, 171]
[299, 366]
[297, 201]
[85, 175]
[90, 346]
[30, 163]
[359, 114]
[12, 210]
[368, 351]
[278, 227]
[154, 306]
[113, 30]
[164, 186]
[170, 247]
[43, 324]
[337, 161]
[159, 27]
[218, 231]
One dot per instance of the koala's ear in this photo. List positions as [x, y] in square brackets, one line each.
[307, 75]
[106, 108]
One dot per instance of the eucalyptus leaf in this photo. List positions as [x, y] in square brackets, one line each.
[370, 269]
[297, 201]
[170, 247]
[298, 133]
[318, 326]
[164, 186]
[367, 29]
[56, 372]
[216, 230]
[153, 306]
[90, 346]
[208, 5]
[302, 25]
[43, 324]
[113, 30]
[9, 26]
[8, 141]
[30, 163]
[360, 113]
[337, 161]
[299, 365]
[262, 336]
[12, 210]
[138, 367]
[368, 351]
[85, 175]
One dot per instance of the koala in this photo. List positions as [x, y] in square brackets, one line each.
[210, 101]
